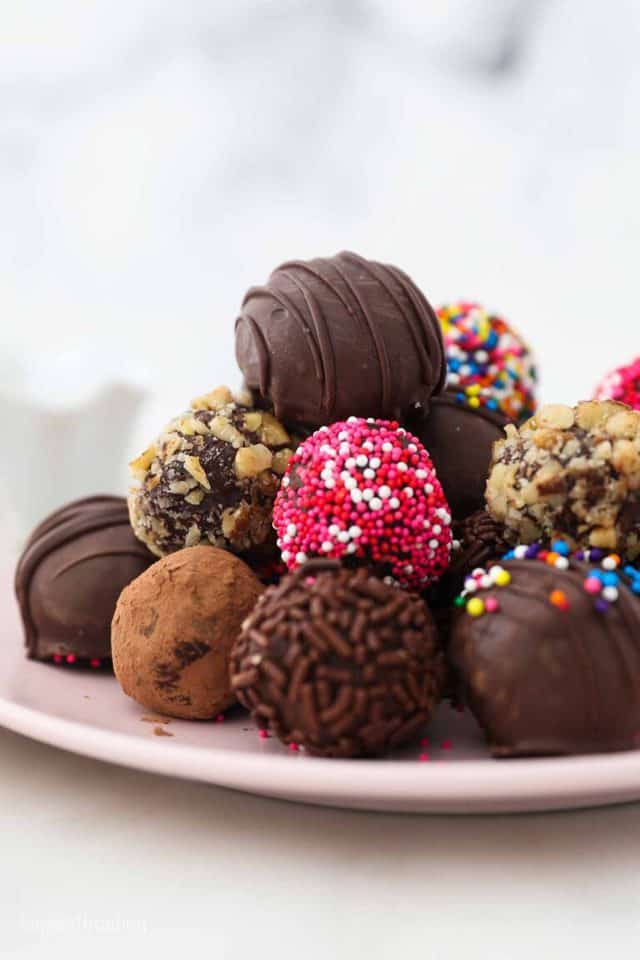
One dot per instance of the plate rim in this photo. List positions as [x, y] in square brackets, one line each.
[470, 786]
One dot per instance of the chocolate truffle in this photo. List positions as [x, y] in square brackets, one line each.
[366, 491]
[174, 627]
[489, 364]
[70, 575]
[621, 384]
[331, 338]
[476, 541]
[338, 662]
[572, 473]
[547, 647]
[460, 440]
[211, 477]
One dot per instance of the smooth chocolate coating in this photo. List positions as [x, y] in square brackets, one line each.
[460, 441]
[544, 680]
[70, 575]
[332, 338]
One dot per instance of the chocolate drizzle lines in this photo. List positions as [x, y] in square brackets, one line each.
[401, 331]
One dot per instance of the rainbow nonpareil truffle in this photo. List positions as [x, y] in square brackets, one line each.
[365, 491]
[489, 364]
[621, 384]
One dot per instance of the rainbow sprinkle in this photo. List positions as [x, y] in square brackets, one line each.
[489, 364]
[602, 581]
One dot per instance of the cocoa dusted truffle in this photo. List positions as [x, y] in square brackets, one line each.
[338, 662]
[69, 577]
[547, 648]
[211, 477]
[174, 627]
[337, 337]
[572, 473]
[460, 439]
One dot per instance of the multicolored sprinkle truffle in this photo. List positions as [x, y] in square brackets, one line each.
[547, 648]
[339, 336]
[622, 384]
[338, 662]
[489, 364]
[366, 491]
[211, 477]
[174, 627]
[572, 473]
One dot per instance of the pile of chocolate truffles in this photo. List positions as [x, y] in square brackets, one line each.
[379, 519]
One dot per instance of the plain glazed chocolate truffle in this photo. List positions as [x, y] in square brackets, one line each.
[174, 627]
[70, 575]
[547, 649]
[572, 473]
[338, 662]
[211, 478]
[331, 338]
[460, 440]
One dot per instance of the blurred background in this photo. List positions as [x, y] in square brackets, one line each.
[157, 158]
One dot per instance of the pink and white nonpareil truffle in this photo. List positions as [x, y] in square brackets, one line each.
[621, 384]
[365, 490]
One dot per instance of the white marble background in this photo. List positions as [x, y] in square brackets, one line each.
[156, 158]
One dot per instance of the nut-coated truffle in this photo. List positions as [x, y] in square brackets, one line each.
[174, 627]
[339, 662]
[211, 478]
[572, 473]
[70, 575]
[331, 338]
[547, 649]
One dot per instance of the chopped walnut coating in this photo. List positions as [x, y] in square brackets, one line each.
[210, 477]
[572, 473]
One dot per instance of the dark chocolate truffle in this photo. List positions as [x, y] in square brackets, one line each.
[548, 653]
[460, 440]
[477, 540]
[70, 575]
[174, 627]
[572, 473]
[211, 477]
[338, 337]
[339, 662]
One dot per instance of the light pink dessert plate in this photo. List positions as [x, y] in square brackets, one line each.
[85, 712]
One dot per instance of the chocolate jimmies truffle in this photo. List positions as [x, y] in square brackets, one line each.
[339, 662]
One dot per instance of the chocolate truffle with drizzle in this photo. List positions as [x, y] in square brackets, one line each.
[335, 337]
